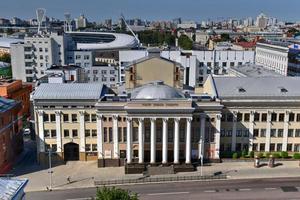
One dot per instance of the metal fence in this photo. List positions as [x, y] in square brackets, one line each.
[160, 179]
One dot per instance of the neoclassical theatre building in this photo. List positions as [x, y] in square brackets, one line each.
[156, 123]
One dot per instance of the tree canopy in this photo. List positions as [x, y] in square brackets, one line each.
[113, 193]
[185, 42]
[5, 58]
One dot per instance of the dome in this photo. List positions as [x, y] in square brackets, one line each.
[156, 90]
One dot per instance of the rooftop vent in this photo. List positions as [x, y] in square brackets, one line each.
[241, 90]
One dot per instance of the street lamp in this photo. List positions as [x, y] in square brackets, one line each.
[50, 169]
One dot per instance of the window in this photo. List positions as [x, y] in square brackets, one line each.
[272, 147]
[112, 71]
[255, 132]
[229, 133]
[94, 133]
[279, 147]
[78, 57]
[54, 147]
[66, 117]
[52, 117]
[255, 146]
[246, 133]
[66, 133]
[289, 147]
[95, 71]
[86, 117]
[103, 71]
[94, 147]
[231, 64]
[246, 117]
[280, 133]
[298, 117]
[239, 117]
[291, 133]
[87, 133]
[110, 135]
[87, 147]
[273, 132]
[281, 117]
[229, 117]
[53, 133]
[86, 57]
[264, 117]
[297, 133]
[105, 138]
[239, 133]
[94, 118]
[291, 117]
[46, 118]
[261, 147]
[46, 133]
[256, 117]
[224, 64]
[74, 117]
[296, 147]
[74, 133]
[274, 117]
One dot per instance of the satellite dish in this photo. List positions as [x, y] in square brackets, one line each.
[40, 15]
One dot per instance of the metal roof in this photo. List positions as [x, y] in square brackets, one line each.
[86, 91]
[253, 70]
[257, 87]
[6, 104]
[9, 188]
[5, 42]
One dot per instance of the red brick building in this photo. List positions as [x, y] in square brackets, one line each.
[11, 139]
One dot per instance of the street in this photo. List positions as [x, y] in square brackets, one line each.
[280, 188]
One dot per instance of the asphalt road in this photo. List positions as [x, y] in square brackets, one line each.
[256, 189]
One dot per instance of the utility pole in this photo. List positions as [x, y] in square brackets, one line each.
[50, 169]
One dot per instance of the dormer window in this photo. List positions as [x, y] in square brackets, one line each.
[241, 90]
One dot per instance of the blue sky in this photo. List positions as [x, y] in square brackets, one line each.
[98, 10]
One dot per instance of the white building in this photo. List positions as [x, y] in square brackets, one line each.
[81, 22]
[262, 21]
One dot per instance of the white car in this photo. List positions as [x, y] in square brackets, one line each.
[26, 132]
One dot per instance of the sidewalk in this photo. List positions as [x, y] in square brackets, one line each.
[83, 174]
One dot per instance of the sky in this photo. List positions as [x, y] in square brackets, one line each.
[198, 10]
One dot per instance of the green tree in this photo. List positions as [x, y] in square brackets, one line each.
[225, 37]
[5, 58]
[185, 42]
[113, 193]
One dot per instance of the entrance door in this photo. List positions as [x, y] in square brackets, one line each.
[71, 151]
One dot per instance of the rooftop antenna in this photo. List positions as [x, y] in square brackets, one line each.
[40, 15]
[137, 39]
[68, 22]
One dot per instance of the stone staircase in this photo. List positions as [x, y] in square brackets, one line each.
[158, 170]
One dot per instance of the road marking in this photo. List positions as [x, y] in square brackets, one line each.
[210, 191]
[167, 193]
[270, 188]
[244, 189]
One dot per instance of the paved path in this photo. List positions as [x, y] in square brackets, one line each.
[275, 189]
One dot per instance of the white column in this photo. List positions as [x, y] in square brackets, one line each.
[176, 140]
[217, 136]
[188, 147]
[268, 132]
[100, 136]
[116, 136]
[82, 131]
[41, 131]
[233, 138]
[285, 130]
[202, 136]
[251, 130]
[58, 131]
[165, 141]
[153, 141]
[129, 140]
[141, 140]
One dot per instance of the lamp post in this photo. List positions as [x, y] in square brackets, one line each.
[50, 169]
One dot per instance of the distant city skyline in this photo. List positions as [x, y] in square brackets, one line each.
[154, 10]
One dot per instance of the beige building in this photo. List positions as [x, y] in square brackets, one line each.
[148, 69]
[156, 123]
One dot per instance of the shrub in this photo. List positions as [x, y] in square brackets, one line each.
[244, 153]
[276, 155]
[267, 154]
[284, 154]
[260, 155]
[235, 155]
[114, 193]
[251, 154]
[296, 156]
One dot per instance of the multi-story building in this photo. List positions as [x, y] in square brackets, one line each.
[36, 54]
[156, 123]
[16, 90]
[11, 137]
[81, 22]
[282, 57]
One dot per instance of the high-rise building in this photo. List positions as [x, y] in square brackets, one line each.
[81, 22]
[262, 21]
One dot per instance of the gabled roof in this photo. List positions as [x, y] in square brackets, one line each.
[71, 91]
[149, 58]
